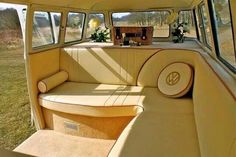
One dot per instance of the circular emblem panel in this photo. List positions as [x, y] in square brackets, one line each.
[173, 78]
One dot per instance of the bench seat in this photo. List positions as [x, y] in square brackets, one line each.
[96, 100]
[166, 128]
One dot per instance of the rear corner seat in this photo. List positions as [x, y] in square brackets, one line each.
[97, 100]
[166, 128]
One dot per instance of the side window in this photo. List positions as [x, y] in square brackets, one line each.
[205, 25]
[187, 18]
[45, 29]
[74, 26]
[95, 21]
[157, 19]
[224, 31]
[198, 25]
[42, 29]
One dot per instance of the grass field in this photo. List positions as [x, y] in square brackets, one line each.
[15, 125]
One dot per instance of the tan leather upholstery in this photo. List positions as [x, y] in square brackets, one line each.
[212, 130]
[166, 128]
[51, 82]
[115, 66]
[175, 80]
[169, 125]
[215, 112]
[86, 126]
[97, 100]
[151, 70]
[40, 65]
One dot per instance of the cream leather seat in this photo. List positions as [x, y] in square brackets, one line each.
[97, 100]
[166, 128]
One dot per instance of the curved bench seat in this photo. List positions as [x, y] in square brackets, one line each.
[96, 100]
[166, 128]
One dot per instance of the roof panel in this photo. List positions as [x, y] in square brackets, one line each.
[112, 4]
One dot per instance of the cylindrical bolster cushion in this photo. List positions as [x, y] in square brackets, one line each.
[176, 80]
[52, 81]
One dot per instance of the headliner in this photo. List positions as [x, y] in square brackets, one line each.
[112, 4]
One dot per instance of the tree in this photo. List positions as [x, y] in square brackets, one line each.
[9, 19]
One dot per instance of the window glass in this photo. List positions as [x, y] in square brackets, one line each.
[46, 28]
[187, 18]
[224, 30]
[206, 26]
[198, 26]
[157, 19]
[42, 29]
[74, 27]
[95, 21]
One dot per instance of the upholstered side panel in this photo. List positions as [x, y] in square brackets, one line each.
[86, 126]
[151, 70]
[104, 65]
[41, 65]
[215, 112]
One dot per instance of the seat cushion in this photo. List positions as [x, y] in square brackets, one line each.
[97, 100]
[166, 128]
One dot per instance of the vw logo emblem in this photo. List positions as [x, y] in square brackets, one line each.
[173, 78]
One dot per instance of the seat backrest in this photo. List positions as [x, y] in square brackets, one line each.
[215, 110]
[104, 65]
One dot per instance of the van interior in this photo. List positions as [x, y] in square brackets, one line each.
[130, 78]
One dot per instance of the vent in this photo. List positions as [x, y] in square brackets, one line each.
[71, 128]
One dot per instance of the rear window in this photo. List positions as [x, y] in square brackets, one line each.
[95, 21]
[74, 26]
[157, 19]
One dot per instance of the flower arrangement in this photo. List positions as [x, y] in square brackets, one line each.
[178, 32]
[100, 35]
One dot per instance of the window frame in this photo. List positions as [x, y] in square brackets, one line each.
[52, 31]
[198, 29]
[83, 27]
[111, 17]
[203, 27]
[29, 25]
[216, 40]
[59, 35]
